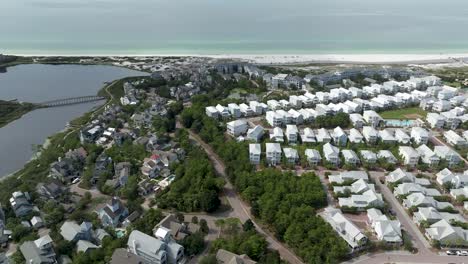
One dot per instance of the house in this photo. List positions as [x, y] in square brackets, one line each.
[313, 156]
[448, 154]
[410, 187]
[370, 134]
[339, 137]
[386, 230]
[227, 257]
[331, 154]
[427, 155]
[296, 117]
[435, 120]
[212, 112]
[358, 187]
[291, 133]
[178, 230]
[73, 232]
[452, 120]
[152, 166]
[355, 136]
[372, 118]
[291, 155]
[255, 134]
[348, 176]
[368, 156]
[123, 256]
[308, 136]
[223, 111]
[441, 106]
[51, 190]
[273, 153]
[461, 192]
[399, 176]
[37, 222]
[85, 246]
[255, 152]
[386, 136]
[237, 127]
[362, 201]
[20, 203]
[256, 107]
[430, 215]
[455, 180]
[350, 157]
[418, 199]
[39, 251]
[277, 135]
[419, 135]
[446, 234]
[323, 136]
[273, 105]
[113, 213]
[234, 110]
[409, 155]
[246, 110]
[65, 170]
[274, 118]
[454, 139]
[386, 156]
[155, 250]
[402, 137]
[355, 239]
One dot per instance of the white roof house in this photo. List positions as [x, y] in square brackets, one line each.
[368, 156]
[255, 152]
[456, 180]
[435, 120]
[399, 175]
[256, 107]
[313, 156]
[308, 136]
[223, 111]
[323, 136]
[455, 193]
[273, 153]
[372, 118]
[211, 111]
[296, 117]
[277, 134]
[410, 187]
[402, 137]
[291, 155]
[427, 155]
[274, 118]
[350, 156]
[355, 136]
[339, 136]
[255, 133]
[454, 139]
[237, 127]
[410, 155]
[234, 109]
[331, 153]
[386, 136]
[357, 120]
[358, 187]
[447, 234]
[419, 135]
[386, 230]
[361, 201]
[273, 105]
[345, 228]
[370, 134]
[431, 215]
[448, 154]
[291, 133]
[348, 176]
[387, 156]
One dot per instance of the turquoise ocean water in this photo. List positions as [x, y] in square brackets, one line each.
[235, 27]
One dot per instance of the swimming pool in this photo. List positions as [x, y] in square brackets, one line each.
[399, 123]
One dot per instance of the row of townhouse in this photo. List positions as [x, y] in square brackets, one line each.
[449, 119]
[233, 110]
[412, 156]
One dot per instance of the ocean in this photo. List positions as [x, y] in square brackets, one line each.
[90, 27]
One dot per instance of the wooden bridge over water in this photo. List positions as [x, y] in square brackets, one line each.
[71, 101]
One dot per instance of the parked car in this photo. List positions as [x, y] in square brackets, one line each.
[451, 252]
[462, 253]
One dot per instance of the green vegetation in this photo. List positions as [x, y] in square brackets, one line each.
[283, 201]
[404, 113]
[10, 111]
[196, 186]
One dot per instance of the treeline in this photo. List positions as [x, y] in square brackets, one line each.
[196, 186]
[284, 201]
[10, 111]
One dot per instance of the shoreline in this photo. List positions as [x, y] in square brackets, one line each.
[377, 58]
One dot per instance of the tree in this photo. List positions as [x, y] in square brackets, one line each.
[195, 219]
[193, 244]
[204, 226]
[180, 217]
[210, 259]
[248, 225]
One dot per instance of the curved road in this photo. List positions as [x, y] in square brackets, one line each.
[240, 209]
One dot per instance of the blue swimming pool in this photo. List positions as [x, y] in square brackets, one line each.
[399, 123]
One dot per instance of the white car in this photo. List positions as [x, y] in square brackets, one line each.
[76, 180]
[462, 253]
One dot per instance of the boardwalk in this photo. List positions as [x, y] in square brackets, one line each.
[71, 101]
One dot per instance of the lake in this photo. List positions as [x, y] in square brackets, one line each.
[38, 83]
[234, 27]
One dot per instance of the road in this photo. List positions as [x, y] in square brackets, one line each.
[240, 209]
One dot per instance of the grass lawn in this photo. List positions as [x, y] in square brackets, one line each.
[404, 113]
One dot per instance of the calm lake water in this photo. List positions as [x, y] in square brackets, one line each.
[38, 83]
[241, 26]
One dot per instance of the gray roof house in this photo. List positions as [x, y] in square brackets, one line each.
[20, 202]
[123, 256]
[71, 231]
[387, 156]
[368, 156]
[331, 154]
[39, 251]
[447, 234]
[113, 213]
[350, 157]
[155, 250]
